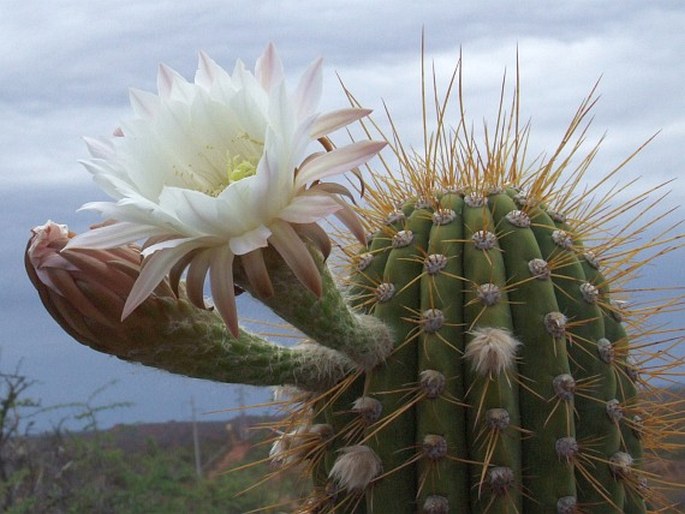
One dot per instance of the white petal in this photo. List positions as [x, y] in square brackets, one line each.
[197, 210]
[154, 269]
[144, 103]
[206, 71]
[331, 121]
[308, 93]
[250, 241]
[112, 236]
[338, 161]
[269, 69]
[308, 208]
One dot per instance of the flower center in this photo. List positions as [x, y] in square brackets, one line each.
[238, 168]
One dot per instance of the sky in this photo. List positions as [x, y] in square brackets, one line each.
[66, 68]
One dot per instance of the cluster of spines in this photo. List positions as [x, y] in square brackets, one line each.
[510, 385]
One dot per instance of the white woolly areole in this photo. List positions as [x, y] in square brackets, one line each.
[325, 364]
[491, 351]
[355, 468]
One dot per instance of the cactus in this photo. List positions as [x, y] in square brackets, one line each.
[476, 356]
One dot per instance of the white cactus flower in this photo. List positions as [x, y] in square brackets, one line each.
[220, 168]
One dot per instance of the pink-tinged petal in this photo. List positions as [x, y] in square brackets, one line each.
[308, 92]
[249, 241]
[257, 274]
[206, 71]
[166, 77]
[331, 187]
[221, 284]
[309, 207]
[350, 219]
[99, 148]
[195, 279]
[154, 270]
[144, 103]
[64, 285]
[338, 161]
[269, 69]
[317, 236]
[296, 256]
[113, 235]
[331, 121]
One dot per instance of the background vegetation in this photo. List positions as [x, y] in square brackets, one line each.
[152, 468]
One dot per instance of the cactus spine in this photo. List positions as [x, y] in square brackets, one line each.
[510, 389]
[476, 360]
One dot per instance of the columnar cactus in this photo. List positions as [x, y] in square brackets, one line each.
[477, 356]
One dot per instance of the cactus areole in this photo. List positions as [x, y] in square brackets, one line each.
[477, 356]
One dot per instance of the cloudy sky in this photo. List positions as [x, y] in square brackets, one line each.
[65, 71]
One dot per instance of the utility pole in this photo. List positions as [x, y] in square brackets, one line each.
[196, 442]
[242, 421]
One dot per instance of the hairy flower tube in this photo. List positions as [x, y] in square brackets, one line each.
[220, 168]
[85, 291]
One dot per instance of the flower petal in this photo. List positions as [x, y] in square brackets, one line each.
[330, 121]
[249, 241]
[113, 235]
[221, 284]
[317, 236]
[153, 271]
[269, 69]
[350, 219]
[308, 93]
[338, 161]
[308, 208]
[257, 274]
[144, 103]
[195, 279]
[166, 78]
[295, 254]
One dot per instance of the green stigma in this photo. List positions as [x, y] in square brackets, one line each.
[238, 168]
